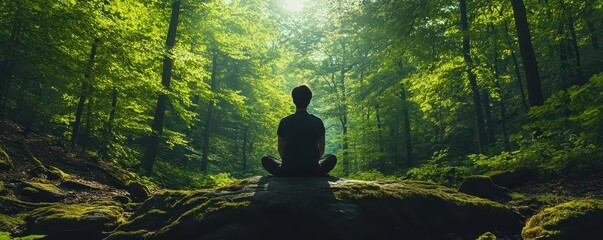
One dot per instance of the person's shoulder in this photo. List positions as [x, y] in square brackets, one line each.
[316, 118]
[286, 118]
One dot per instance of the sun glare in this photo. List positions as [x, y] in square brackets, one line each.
[294, 5]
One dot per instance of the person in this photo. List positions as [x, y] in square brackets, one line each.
[301, 142]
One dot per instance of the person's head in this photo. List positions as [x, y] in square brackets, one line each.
[301, 96]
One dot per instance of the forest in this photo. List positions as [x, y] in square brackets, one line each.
[188, 94]
[415, 89]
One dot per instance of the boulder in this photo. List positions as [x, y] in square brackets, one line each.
[578, 219]
[318, 208]
[511, 179]
[483, 186]
[75, 221]
[13, 211]
[138, 192]
[75, 185]
[40, 192]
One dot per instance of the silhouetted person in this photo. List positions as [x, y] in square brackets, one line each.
[301, 142]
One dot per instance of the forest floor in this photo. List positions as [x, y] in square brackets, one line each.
[108, 181]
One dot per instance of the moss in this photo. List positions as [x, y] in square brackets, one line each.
[579, 219]
[92, 219]
[6, 236]
[487, 236]
[318, 208]
[5, 162]
[13, 212]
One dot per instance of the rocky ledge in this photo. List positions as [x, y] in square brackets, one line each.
[319, 208]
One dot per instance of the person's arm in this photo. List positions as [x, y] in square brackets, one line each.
[321, 145]
[281, 146]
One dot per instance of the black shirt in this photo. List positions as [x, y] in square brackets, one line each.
[301, 132]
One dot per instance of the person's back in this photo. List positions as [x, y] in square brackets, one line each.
[301, 139]
[301, 131]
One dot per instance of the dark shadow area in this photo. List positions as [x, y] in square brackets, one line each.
[286, 208]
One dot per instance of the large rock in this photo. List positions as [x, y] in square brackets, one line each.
[75, 221]
[318, 208]
[40, 192]
[511, 179]
[483, 186]
[579, 219]
[138, 192]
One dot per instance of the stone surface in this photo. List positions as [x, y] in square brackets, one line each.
[483, 186]
[512, 179]
[75, 221]
[318, 208]
[578, 219]
[40, 192]
[138, 192]
[75, 185]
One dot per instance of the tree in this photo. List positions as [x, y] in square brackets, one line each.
[535, 96]
[152, 148]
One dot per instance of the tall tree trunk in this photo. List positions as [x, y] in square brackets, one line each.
[562, 46]
[150, 152]
[108, 138]
[489, 120]
[244, 165]
[86, 90]
[518, 79]
[210, 111]
[477, 107]
[535, 96]
[407, 133]
[379, 129]
[594, 40]
[6, 68]
[344, 117]
[88, 126]
[574, 39]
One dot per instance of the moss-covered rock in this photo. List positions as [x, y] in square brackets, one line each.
[138, 191]
[5, 162]
[579, 219]
[40, 192]
[75, 185]
[13, 212]
[511, 179]
[487, 236]
[318, 208]
[75, 221]
[482, 186]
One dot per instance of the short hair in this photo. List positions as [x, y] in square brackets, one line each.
[302, 95]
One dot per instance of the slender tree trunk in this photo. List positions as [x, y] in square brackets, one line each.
[109, 126]
[152, 148]
[535, 96]
[379, 129]
[489, 121]
[594, 40]
[518, 79]
[572, 29]
[210, 111]
[6, 68]
[244, 165]
[344, 116]
[407, 133]
[88, 126]
[562, 46]
[477, 107]
[86, 90]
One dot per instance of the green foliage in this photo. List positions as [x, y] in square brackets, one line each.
[170, 177]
